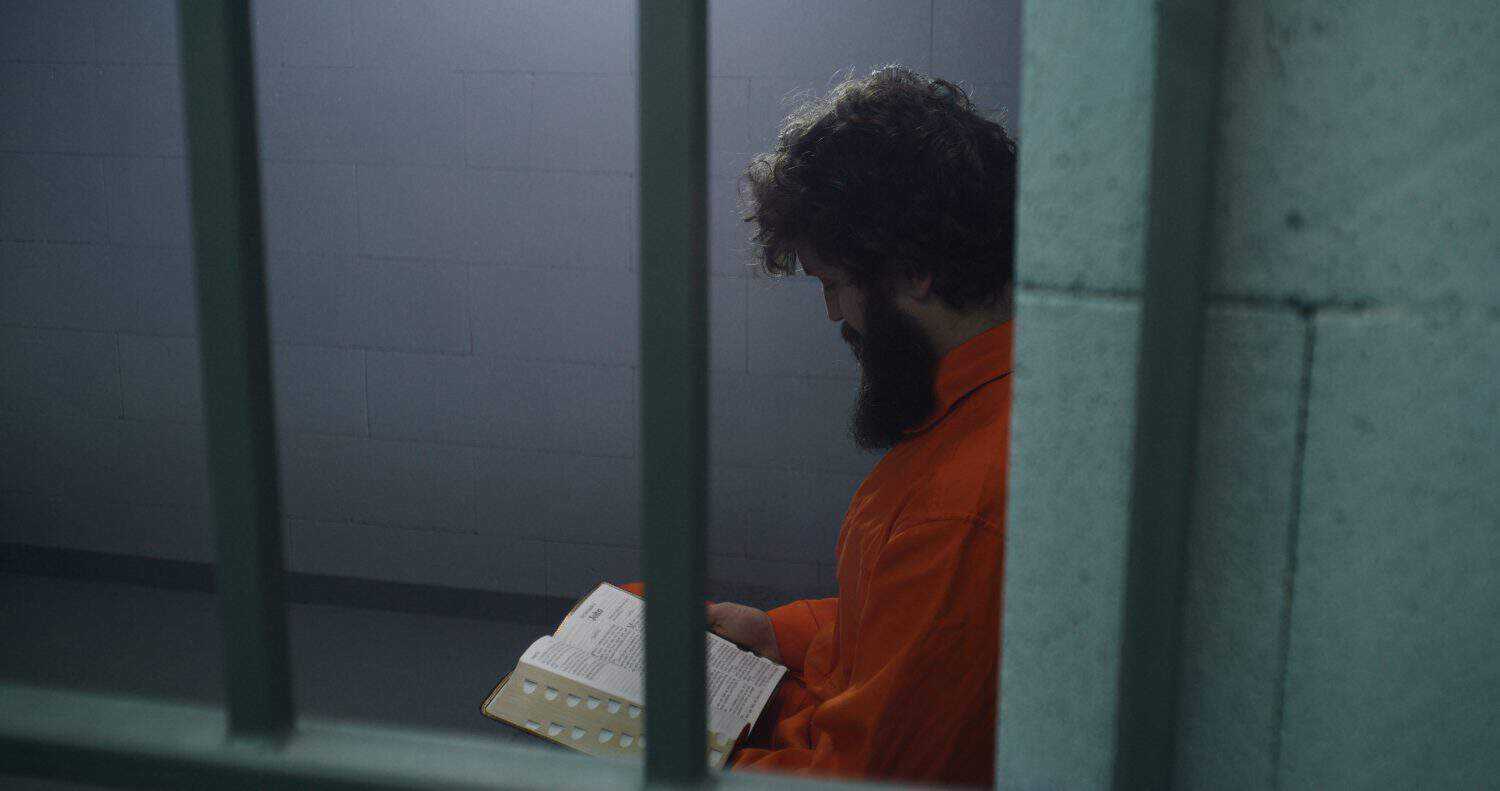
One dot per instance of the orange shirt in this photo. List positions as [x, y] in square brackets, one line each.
[896, 677]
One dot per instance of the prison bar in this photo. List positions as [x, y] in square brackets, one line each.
[137, 743]
[674, 390]
[120, 739]
[224, 174]
[1184, 102]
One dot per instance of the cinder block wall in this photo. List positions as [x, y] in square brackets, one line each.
[450, 203]
[1341, 597]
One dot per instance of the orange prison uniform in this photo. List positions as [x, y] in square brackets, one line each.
[896, 677]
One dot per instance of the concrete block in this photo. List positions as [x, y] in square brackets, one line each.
[559, 204]
[977, 45]
[319, 389]
[159, 531]
[306, 113]
[336, 301]
[304, 32]
[588, 36]
[320, 475]
[728, 125]
[326, 114]
[585, 122]
[978, 41]
[513, 404]
[162, 377]
[469, 215]
[138, 290]
[726, 324]
[1070, 470]
[762, 583]
[140, 106]
[796, 515]
[55, 198]
[48, 30]
[420, 486]
[155, 291]
[523, 218]
[1083, 180]
[773, 98]
[730, 499]
[310, 207]
[432, 212]
[1234, 589]
[79, 458]
[730, 249]
[21, 437]
[409, 33]
[1329, 184]
[160, 463]
[556, 314]
[789, 330]
[59, 372]
[497, 120]
[781, 421]
[143, 31]
[828, 578]
[420, 112]
[422, 557]
[592, 500]
[51, 107]
[575, 569]
[816, 39]
[1390, 675]
[148, 201]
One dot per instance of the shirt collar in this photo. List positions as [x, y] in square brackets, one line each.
[967, 367]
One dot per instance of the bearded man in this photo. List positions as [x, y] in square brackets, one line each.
[896, 195]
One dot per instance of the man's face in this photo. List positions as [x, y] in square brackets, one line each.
[896, 360]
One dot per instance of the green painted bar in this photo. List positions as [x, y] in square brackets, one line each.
[139, 743]
[1171, 350]
[674, 387]
[225, 185]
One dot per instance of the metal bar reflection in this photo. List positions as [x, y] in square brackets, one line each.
[224, 173]
[1171, 350]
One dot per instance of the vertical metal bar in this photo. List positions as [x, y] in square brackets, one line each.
[224, 168]
[674, 392]
[1177, 258]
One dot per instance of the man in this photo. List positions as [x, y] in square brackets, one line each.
[899, 198]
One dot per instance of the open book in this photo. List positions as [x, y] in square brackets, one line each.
[583, 686]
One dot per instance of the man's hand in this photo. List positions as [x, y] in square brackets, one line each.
[747, 626]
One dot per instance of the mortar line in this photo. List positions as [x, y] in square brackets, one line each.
[1217, 299]
[1289, 575]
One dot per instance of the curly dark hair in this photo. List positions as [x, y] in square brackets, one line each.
[890, 174]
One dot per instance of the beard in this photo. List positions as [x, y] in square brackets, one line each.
[897, 371]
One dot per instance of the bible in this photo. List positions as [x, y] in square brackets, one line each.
[583, 685]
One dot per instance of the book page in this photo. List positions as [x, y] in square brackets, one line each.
[576, 664]
[739, 682]
[609, 624]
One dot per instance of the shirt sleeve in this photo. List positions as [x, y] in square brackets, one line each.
[920, 701]
[796, 623]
